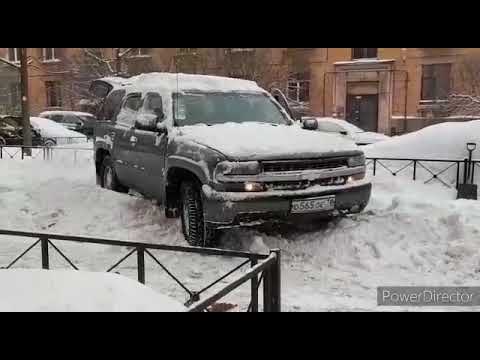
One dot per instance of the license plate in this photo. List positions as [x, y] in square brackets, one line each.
[313, 205]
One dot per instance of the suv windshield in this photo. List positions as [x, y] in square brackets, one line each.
[217, 108]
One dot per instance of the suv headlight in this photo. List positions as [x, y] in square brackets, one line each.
[238, 168]
[356, 161]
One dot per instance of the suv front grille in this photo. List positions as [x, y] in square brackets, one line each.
[300, 185]
[300, 165]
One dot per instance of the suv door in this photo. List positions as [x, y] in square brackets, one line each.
[124, 141]
[151, 146]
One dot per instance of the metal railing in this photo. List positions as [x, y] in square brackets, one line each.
[13, 152]
[464, 169]
[264, 268]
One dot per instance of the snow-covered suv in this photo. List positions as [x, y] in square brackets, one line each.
[220, 153]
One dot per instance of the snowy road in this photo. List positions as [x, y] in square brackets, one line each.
[411, 234]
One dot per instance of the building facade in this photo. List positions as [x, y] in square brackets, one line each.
[389, 90]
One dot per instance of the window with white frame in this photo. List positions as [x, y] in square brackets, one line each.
[14, 54]
[298, 88]
[139, 52]
[187, 51]
[49, 54]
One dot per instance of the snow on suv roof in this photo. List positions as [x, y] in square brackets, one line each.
[64, 112]
[185, 82]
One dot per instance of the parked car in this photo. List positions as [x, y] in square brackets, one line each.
[221, 153]
[11, 133]
[73, 120]
[349, 130]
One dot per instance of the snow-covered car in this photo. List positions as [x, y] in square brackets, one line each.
[61, 135]
[78, 291]
[349, 130]
[11, 133]
[221, 153]
[73, 120]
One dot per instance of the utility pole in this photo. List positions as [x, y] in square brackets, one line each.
[118, 62]
[27, 132]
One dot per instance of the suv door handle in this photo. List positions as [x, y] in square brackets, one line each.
[133, 140]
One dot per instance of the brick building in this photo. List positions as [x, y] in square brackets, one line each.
[380, 89]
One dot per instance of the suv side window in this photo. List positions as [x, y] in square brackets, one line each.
[112, 106]
[130, 107]
[153, 104]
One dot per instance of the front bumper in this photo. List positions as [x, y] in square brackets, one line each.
[227, 209]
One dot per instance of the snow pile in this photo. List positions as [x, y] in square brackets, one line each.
[442, 141]
[185, 82]
[253, 141]
[76, 291]
[50, 129]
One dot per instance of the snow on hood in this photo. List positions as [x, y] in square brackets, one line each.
[442, 141]
[250, 141]
[78, 291]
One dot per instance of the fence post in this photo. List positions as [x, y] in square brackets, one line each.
[272, 285]
[1, 152]
[374, 167]
[254, 289]
[465, 171]
[276, 283]
[414, 170]
[267, 290]
[45, 260]
[23, 152]
[458, 174]
[141, 264]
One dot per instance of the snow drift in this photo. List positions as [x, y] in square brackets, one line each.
[442, 141]
[76, 291]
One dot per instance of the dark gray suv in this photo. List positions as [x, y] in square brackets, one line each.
[220, 153]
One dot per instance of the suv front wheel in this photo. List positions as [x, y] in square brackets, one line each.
[195, 230]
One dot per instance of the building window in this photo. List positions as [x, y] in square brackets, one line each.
[298, 88]
[436, 81]
[14, 94]
[54, 93]
[187, 51]
[48, 54]
[14, 54]
[239, 50]
[140, 52]
[364, 53]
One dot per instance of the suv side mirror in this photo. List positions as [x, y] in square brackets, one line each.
[310, 124]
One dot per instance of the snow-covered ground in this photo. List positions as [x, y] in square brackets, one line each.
[79, 291]
[411, 234]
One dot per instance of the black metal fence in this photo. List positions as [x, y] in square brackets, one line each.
[12, 152]
[439, 170]
[264, 268]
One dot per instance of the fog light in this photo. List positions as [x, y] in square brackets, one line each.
[253, 186]
[356, 177]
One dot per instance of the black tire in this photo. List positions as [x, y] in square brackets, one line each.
[109, 178]
[49, 143]
[195, 230]
[3, 142]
